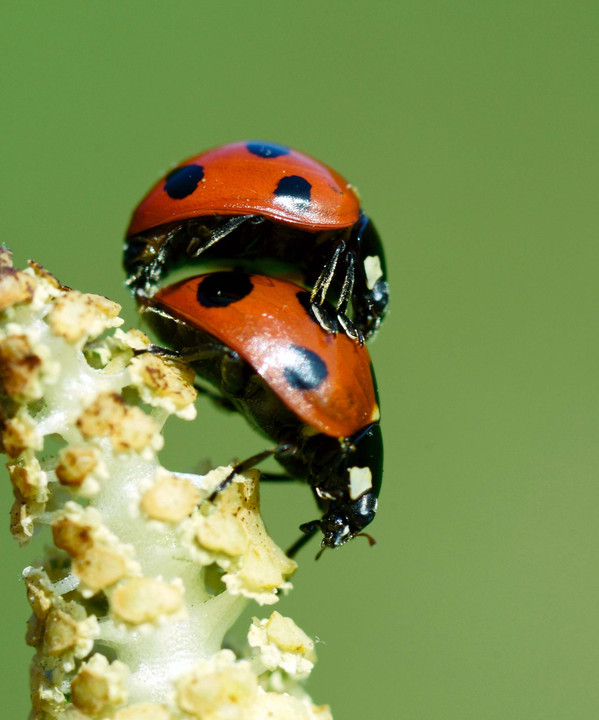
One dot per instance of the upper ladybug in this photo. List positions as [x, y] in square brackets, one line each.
[262, 203]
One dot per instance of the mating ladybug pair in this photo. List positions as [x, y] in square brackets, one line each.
[289, 357]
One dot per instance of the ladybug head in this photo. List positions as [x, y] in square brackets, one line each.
[343, 521]
[371, 295]
[348, 494]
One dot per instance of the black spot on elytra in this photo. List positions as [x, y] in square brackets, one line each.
[294, 190]
[306, 371]
[267, 150]
[182, 181]
[221, 289]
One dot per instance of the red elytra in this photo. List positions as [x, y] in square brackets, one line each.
[232, 180]
[264, 327]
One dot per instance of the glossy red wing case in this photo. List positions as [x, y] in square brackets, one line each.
[251, 178]
[325, 379]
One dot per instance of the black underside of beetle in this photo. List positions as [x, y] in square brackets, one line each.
[329, 263]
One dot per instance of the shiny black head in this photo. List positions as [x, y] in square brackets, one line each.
[347, 488]
[370, 303]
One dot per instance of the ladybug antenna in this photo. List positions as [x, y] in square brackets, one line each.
[371, 540]
[319, 553]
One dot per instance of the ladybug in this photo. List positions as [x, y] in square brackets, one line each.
[256, 342]
[263, 203]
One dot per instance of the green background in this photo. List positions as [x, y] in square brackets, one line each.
[470, 129]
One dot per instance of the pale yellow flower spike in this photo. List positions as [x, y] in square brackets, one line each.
[132, 602]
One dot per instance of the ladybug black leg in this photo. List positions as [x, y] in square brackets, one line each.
[243, 466]
[196, 247]
[158, 350]
[321, 288]
[325, 278]
[350, 329]
[188, 355]
[326, 320]
[310, 529]
[344, 297]
[277, 477]
[348, 285]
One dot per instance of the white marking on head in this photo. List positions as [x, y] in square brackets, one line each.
[373, 269]
[360, 481]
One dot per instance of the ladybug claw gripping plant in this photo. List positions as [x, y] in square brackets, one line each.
[266, 205]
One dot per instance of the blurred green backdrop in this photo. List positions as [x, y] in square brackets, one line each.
[470, 129]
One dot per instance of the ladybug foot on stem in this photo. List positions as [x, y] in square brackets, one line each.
[244, 466]
[334, 322]
[350, 329]
[325, 318]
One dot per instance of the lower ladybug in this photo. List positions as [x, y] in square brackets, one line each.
[256, 341]
[268, 205]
